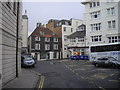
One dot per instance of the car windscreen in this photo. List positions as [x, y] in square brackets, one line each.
[28, 57]
[103, 59]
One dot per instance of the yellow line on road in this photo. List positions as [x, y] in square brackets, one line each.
[102, 88]
[41, 84]
[42, 78]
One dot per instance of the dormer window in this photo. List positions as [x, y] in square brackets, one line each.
[94, 4]
[42, 33]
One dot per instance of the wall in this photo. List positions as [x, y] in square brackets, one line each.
[25, 33]
[67, 33]
[8, 43]
[0, 45]
[105, 32]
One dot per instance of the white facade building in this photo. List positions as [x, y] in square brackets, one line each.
[10, 41]
[24, 32]
[66, 31]
[102, 19]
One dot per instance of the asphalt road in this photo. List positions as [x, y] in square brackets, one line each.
[76, 74]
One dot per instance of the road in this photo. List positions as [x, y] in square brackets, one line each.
[76, 74]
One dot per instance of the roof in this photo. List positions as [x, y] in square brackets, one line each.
[78, 34]
[47, 32]
[24, 16]
[87, 1]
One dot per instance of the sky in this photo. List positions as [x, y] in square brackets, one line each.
[44, 11]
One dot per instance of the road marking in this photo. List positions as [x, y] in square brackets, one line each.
[71, 65]
[51, 62]
[41, 83]
[114, 81]
[102, 88]
[111, 74]
[82, 77]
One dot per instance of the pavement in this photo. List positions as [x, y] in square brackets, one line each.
[27, 79]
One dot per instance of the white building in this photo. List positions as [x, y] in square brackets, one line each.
[102, 21]
[25, 33]
[10, 41]
[77, 45]
[66, 31]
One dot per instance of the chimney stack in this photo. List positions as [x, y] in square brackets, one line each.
[39, 24]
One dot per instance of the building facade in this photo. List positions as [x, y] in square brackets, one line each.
[10, 41]
[44, 44]
[63, 28]
[67, 30]
[25, 33]
[77, 45]
[102, 21]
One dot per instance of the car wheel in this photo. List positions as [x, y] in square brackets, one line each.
[113, 65]
[96, 65]
[33, 65]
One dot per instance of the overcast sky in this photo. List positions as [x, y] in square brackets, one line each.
[44, 11]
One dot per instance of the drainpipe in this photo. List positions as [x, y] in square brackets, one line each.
[17, 39]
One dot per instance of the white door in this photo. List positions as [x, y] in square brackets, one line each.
[38, 56]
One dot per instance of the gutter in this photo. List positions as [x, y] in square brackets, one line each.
[17, 39]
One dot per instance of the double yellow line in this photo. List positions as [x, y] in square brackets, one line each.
[42, 79]
[41, 83]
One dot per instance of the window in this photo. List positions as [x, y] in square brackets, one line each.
[64, 29]
[8, 4]
[55, 46]
[65, 38]
[47, 39]
[105, 48]
[37, 38]
[66, 23]
[55, 39]
[96, 38]
[42, 33]
[96, 27]
[114, 39]
[65, 47]
[110, 1]
[95, 14]
[111, 11]
[76, 23]
[82, 28]
[47, 47]
[80, 39]
[37, 46]
[112, 24]
[14, 7]
[94, 4]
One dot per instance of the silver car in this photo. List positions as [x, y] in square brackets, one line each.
[105, 61]
[27, 60]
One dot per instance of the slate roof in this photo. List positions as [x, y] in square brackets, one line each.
[47, 32]
[24, 16]
[77, 34]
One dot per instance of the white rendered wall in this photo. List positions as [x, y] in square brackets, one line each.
[103, 19]
[75, 24]
[25, 33]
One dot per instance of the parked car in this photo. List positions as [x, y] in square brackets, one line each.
[106, 61]
[27, 60]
